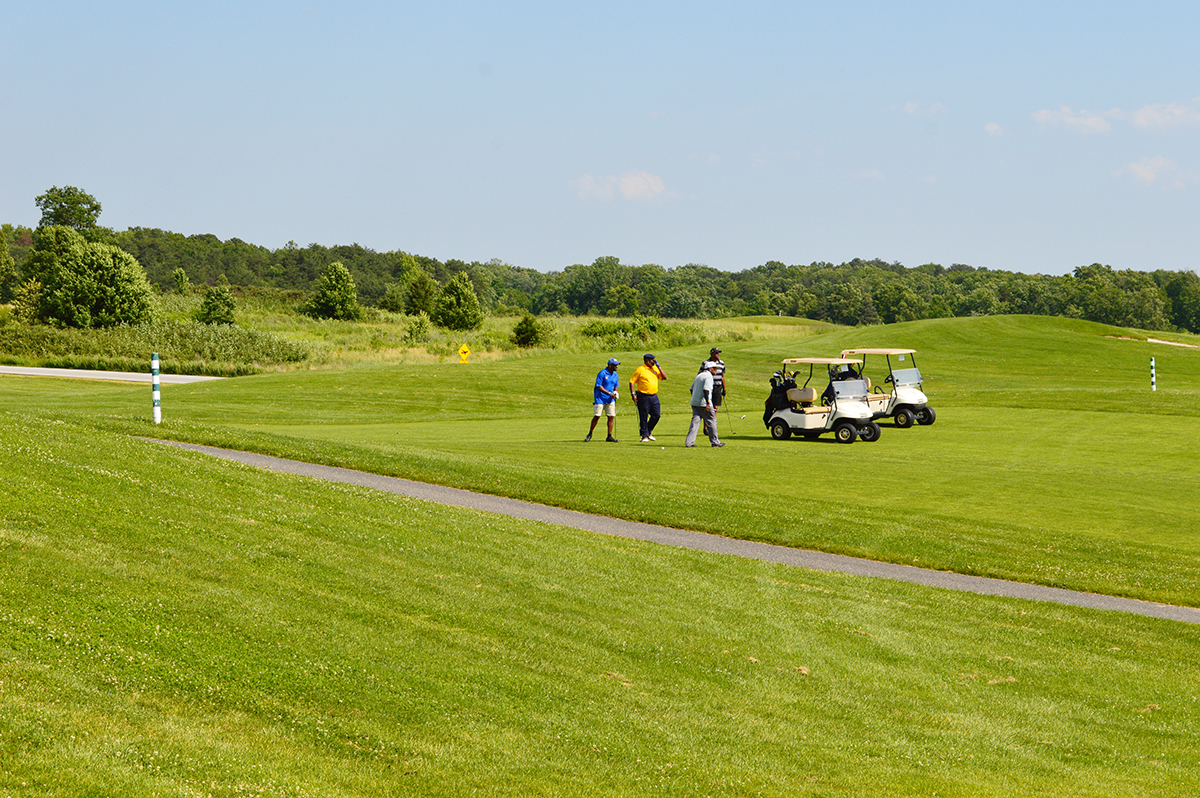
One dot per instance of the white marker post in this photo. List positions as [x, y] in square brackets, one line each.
[1153, 382]
[154, 388]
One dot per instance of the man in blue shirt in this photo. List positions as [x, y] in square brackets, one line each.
[604, 398]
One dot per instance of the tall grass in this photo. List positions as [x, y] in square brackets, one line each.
[183, 347]
[271, 334]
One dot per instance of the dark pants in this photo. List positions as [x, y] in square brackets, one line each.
[648, 412]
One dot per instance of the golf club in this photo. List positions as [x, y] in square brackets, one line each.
[729, 418]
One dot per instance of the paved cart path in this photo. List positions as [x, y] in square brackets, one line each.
[701, 541]
[118, 376]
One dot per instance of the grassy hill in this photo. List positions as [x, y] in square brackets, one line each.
[1051, 461]
[178, 626]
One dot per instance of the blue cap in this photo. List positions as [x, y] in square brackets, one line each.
[612, 361]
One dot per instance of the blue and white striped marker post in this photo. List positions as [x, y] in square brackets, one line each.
[1153, 383]
[154, 388]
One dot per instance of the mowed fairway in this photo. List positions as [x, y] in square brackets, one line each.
[183, 626]
[1051, 460]
[177, 625]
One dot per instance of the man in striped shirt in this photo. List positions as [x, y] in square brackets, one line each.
[714, 356]
[718, 391]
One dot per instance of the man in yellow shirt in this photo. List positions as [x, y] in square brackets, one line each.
[643, 386]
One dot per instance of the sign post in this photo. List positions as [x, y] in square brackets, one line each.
[1153, 380]
[154, 390]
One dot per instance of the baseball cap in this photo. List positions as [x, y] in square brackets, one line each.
[714, 351]
[612, 361]
[647, 356]
[708, 364]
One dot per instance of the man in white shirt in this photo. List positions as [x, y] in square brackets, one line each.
[703, 409]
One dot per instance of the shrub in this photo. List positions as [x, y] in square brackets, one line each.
[419, 329]
[530, 332]
[26, 298]
[87, 284]
[421, 294]
[182, 284]
[646, 331]
[393, 298]
[217, 307]
[335, 296]
[458, 307]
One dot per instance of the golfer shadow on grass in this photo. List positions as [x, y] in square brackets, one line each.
[795, 438]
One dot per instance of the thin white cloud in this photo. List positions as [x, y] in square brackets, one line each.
[1149, 171]
[993, 129]
[928, 179]
[1081, 121]
[914, 108]
[640, 185]
[1165, 115]
[1152, 116]
[872, 174]
[596, 188]
[630, 186]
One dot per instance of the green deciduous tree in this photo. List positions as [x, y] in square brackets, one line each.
[70, 207]
[621, 300]
[335, 296]
[458, 306]
[8, 271]
[86, 284]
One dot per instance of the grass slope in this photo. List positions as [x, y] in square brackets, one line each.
[180, 626]
[1051, 461]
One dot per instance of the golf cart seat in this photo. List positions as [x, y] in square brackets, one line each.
[802, 396]
[803, 400]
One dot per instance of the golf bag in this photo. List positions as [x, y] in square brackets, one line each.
[778, 400]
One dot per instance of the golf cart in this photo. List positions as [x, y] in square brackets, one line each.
[906, 401]
[798, 409]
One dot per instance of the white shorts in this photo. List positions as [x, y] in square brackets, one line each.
[610, 409]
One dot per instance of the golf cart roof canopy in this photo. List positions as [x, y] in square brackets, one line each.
[878, 352]
[821, 361]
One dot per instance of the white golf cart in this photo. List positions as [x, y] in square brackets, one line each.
[906, 401]
[842, 409]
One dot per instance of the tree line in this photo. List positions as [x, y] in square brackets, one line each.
[856, 292]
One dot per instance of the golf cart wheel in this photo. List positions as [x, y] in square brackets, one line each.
[845, 433]
[903, 418]
[870, 433]
[780, 430]
[926, 416]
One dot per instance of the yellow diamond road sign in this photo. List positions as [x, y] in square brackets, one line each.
[464, 352]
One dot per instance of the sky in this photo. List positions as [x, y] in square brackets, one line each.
[1025, 136]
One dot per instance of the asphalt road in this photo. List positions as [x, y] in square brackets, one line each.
[118, 376]
[682, 538]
